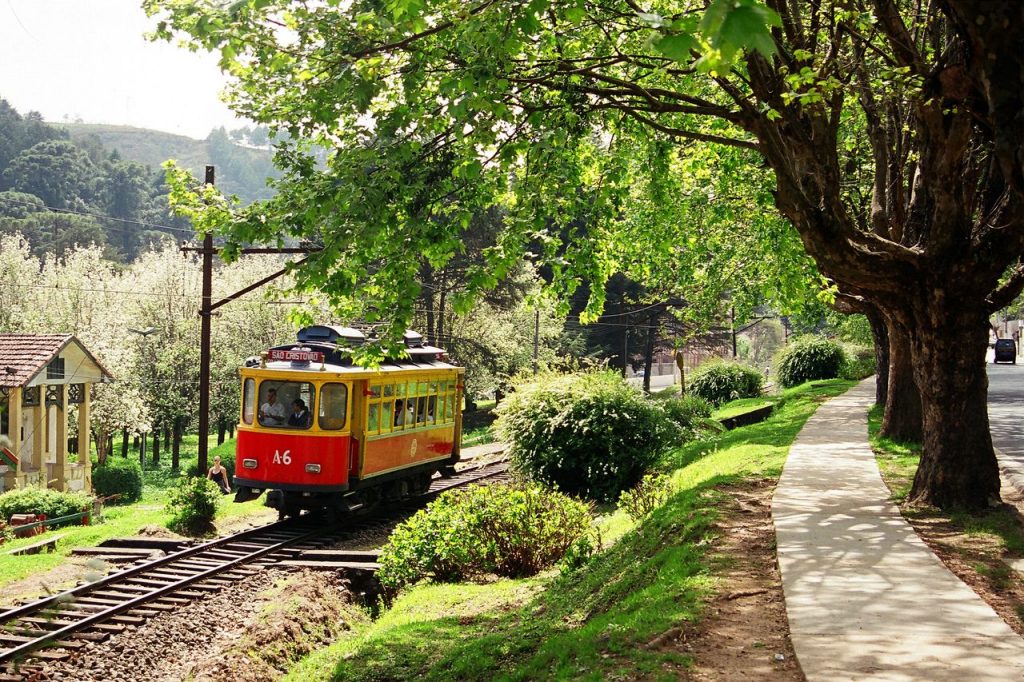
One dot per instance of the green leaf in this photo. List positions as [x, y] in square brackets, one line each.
[575, 15]
[747, 27]
[676, 47]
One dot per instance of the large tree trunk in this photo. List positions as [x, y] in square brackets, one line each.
[124, 443]
[958, 467]
[156, 446]
[880, 334]
[902, 418]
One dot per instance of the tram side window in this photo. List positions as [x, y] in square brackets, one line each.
[248, 400]
[449, 410]
[373, 410]
[387, 406]
[286, 404]
[333, 406]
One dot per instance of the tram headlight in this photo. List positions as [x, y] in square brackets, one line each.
[249, 464]
[312, 468]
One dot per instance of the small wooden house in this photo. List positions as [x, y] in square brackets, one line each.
[41, 376]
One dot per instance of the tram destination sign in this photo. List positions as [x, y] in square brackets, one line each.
[296, 355]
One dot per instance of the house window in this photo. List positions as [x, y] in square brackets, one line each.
[55, 370]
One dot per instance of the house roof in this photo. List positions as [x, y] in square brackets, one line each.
[23, 356]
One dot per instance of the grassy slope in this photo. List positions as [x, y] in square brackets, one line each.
[153, 147]
[149, 147]
[592, 624]
[740, 406]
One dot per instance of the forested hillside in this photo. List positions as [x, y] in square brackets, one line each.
[67, 186]
[241, 170]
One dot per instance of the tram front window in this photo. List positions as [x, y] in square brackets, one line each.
[286, 404]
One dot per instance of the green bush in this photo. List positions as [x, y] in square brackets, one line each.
[53, 503]
[579, 553]
[590, 435]
[719, 382]
[648, 494]
[118, 476]
[689, 413]
[512, 531]
[193, 506]
[860, 362]
[809, 358]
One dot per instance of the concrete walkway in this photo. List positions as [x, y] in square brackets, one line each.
[865, 596]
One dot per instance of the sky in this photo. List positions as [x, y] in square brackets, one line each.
[88, 60]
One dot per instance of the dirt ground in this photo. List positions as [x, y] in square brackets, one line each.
[744, 634]
[248, 632]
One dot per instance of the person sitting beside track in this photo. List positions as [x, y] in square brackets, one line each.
[300, 415]
[272, 412]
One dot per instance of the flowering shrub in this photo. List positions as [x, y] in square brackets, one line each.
[512, 531]
[590, 435]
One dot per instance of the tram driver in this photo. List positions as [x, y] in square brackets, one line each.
[272, 412]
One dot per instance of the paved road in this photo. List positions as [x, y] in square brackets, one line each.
[1006, 415]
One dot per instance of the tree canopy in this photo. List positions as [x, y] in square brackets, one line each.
[891, 129]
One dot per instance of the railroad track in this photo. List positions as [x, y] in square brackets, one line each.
[53, 627]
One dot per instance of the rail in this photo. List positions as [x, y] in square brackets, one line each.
[89, 605]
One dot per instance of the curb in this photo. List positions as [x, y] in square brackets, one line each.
[1012, 472]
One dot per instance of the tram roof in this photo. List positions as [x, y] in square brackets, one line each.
[384, 368]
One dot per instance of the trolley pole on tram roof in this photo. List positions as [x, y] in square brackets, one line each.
[205, 313]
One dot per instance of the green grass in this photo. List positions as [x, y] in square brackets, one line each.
[481, 435]
[741, 406]
[897, 461]
[594, 623]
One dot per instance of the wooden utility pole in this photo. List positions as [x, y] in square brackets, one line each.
[205, 312]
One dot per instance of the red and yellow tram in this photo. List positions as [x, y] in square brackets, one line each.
[318, 432]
